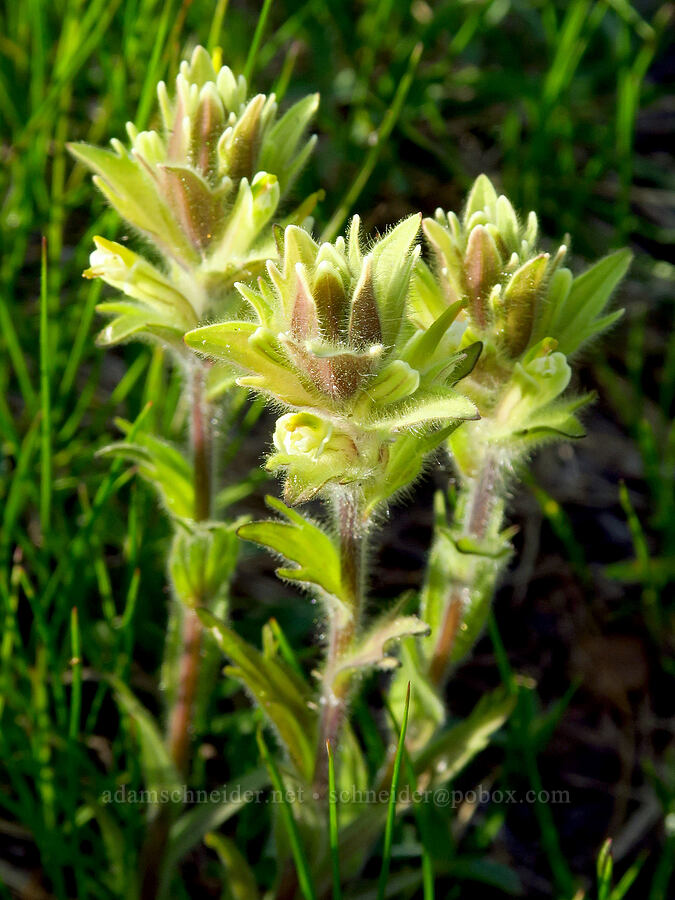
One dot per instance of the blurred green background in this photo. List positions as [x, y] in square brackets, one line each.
[569, 107]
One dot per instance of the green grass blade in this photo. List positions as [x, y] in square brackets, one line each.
[383, 133]
[643, 556]
[216, 25]
[76, 669]
[45, 401]
[391, 810]
[285, 648]
[333, 825]
[14, 351]
[604, 867]
[291, 826]
[421, 817]
[255, 43]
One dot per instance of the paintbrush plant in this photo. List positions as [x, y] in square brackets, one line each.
[373, 361]
[531, 316]
[202, 192]
[368, 395]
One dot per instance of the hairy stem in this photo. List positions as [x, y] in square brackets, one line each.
[342, 629]
[201, 439]
[482, 496]
[179, 730]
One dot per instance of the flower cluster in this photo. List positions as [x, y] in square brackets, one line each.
[331, 340]
[531, 315]
[525, 307]
[203, 191]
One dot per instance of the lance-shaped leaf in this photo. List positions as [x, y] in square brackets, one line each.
[427, 300]
[432, 406]
[126, 325]
[575, 320]
[421, 347]
[282, 695]
[453, 750]
[248, 346]
[392, 262]
[314, 556]
[371, 651]
[482, 196]
[163, 466]
[405, 460]
[279, 151]
[556, 296]
[253, 208]
[449, 261]
[133, 193]
[451, 369]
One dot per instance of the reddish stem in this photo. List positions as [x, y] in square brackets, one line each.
[477, 520]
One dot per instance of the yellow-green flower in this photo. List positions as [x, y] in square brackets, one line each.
[204, 189]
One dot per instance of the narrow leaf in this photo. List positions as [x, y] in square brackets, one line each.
[391, 810]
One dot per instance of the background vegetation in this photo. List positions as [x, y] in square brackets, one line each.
[569, 106]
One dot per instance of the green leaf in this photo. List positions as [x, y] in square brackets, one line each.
[392, 262]
[427, 300]
[163, 466]
[159, 772]
[432, 406]
[300, 541]
[134, 195]
[449, 262]
[189, 829]
[122, 328]
[243, 344]
[465, 362]
[201, 562]
[421, 347]
[281, 694]
[371, 649]
[279, 152]
[290, 825]
[482, 196]
[391, 808]
[240, 881]
[589, 331]
[449, 753]
[405, 461]
[575, 322]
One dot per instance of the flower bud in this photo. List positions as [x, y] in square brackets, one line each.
[483, 269]
[520, 301]
[533, 386]
[302, 434]
[205, 189]
[134, 276]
